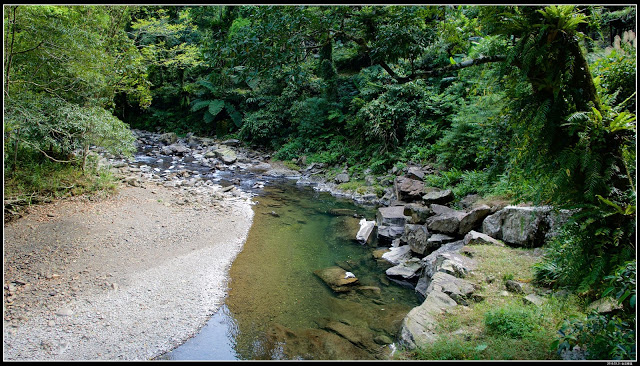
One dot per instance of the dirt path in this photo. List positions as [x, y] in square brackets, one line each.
[126, 277]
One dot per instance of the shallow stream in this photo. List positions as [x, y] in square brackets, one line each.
[277, 308]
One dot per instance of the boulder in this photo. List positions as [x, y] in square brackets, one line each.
[446, 222]
[342, 178]
[534, 299]
[364, 234]
[435, 241]
[604, 305]
[469, 201]
[415, 172]
[476, 238]
[524, 226]
[337, 279]
[417, 213]
[391, 216]
[454, 264]
[227, 155]
[515, 286]
[231, 142]
[168, 138]
[387, 234]
[416, 237]
[456, 288]
[429, 263]
[407, 189]
[438, 196]
[407, 269]
[373, 292]
[473, 219]
[418, 326]
[281, 172]
[397, 255]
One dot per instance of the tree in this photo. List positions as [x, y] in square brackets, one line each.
[62, 68]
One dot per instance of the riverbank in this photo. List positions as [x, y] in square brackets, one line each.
[115, 278]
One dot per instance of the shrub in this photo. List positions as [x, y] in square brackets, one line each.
[513, 322]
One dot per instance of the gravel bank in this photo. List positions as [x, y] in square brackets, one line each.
[122, 278]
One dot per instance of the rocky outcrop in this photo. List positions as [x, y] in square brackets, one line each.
[524, 226]
[418, 327]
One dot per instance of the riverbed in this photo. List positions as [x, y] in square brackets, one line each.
[277, 308]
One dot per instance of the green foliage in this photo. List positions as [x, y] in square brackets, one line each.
[513, 322]
[608, 336]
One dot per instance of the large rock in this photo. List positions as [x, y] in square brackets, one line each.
[337, 279]
[227, 155]
[408, 190]
[473, 219]
[430, 262]
[397, 255]
[407, 269]
[391, 216]
[454, 264]
[342, 178]
[282, 172]
[364, 234]
[387, 234]
[446, 220]
[418, 326]
[456, 288]
[415, 172]
[476, 238]
[519, 226]
[435, 241]
[438, 196]
[416, 237]
[417, 212]
[168, 138]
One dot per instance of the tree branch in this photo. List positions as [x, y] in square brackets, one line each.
[444, 69]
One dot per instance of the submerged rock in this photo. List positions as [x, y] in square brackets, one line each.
[337, 279]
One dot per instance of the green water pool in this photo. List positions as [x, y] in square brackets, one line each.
[277, 308]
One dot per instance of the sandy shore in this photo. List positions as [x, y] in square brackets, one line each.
[127, 277]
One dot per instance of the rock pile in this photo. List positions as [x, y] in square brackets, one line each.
[427, 240]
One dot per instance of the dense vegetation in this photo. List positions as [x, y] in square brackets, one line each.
[532, 103]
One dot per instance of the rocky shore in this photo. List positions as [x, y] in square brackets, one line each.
[84, 278]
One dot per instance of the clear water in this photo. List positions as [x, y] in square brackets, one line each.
[277, 308]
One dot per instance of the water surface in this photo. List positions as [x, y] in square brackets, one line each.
[277, 308]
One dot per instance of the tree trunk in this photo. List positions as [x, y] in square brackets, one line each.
[583, 78]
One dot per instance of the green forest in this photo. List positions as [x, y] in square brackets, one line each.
[530, 103]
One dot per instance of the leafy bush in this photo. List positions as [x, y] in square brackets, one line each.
[608, 336]
[512, 321]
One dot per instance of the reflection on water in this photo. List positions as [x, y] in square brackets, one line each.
[278, 309]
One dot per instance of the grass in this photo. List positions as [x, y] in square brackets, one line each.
[500, 327]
